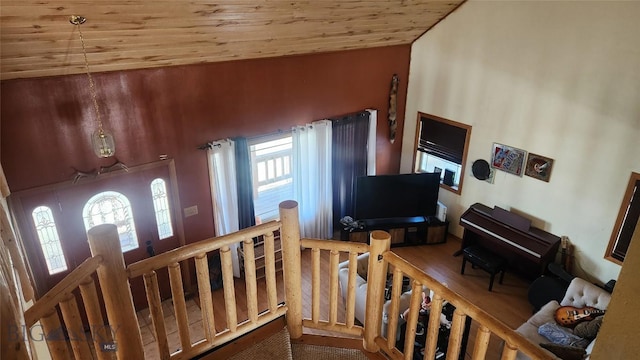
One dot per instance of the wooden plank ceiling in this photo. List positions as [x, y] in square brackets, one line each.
[38, 40]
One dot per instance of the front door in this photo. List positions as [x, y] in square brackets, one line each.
[54, 221]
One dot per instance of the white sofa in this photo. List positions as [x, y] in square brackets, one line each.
[361, 292]
[579, 294]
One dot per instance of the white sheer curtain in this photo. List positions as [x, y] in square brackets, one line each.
[222, 178]
[312, 178]
[371, 142]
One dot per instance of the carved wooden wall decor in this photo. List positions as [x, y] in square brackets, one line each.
[393, 107]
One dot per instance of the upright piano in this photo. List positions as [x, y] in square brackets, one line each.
[528, 249]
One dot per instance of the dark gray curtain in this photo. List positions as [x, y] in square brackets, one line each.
[246, 214]
[349, 156]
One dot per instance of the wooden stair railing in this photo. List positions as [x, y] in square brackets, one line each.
[199, 251]
[62, 295]
[380, 258]
[120, 336]
[108, 263]
[512, 341]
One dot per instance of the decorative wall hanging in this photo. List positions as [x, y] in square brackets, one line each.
[393, 107]
[538, 167]
[507, 158]
[482, 171]
[102, 141]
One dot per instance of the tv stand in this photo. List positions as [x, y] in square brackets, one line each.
[404, 231]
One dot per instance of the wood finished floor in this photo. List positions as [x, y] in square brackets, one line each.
[507, 302]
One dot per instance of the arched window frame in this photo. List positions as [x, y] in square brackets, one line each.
[111, 207]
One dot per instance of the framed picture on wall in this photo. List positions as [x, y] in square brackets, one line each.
[538, 167]
[507, 158]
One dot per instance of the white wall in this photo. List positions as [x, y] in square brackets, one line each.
[559, 79]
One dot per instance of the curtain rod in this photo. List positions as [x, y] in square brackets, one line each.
[212, 144]
[209, 145]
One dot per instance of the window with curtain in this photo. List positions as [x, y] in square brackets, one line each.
[350, 156]
[441, 147]
[271, 169]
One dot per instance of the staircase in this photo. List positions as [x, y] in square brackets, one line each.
[346, 338]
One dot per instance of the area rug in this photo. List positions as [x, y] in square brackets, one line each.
[276, 347]
[314, 352]
[279, 347]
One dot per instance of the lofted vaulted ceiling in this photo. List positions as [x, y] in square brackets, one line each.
[38, 39]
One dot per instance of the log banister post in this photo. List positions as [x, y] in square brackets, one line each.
[376, 277]
[290, 235]
[104, 241]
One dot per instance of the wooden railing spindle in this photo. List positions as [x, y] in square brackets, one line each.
[394, 311]
[229, 289]
[206, 301]
[509, 352]
[157, 314]
[351, 289]
[434, 325]
[334, 258]
[315, 285]
[100, 333]
[270, 271]
[412, 320]
[179, 305]
[75, 329]
[250, 280]
[455, 335]
[482, 343]
[52, 329]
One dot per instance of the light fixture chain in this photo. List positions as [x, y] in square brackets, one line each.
[92, 87]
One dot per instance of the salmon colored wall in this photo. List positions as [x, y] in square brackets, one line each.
[47, 122]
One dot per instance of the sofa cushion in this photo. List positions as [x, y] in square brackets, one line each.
[545, 315]
[561, 335]
[582, 293]
[565, 352]
[589, 329]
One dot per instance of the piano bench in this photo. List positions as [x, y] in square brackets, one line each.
[486, 260]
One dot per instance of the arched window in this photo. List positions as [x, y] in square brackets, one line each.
[49, 239]
[110, 207]
[161, 207]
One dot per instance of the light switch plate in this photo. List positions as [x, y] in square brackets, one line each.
[190, 211]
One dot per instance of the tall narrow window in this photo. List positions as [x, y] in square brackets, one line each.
[112, 207]
[161, 207]
[49, 239]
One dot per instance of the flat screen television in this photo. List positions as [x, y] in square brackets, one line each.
[404, 195]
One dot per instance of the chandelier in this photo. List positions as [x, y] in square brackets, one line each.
[102, 141]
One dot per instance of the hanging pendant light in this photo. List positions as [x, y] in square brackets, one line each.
[102, 141]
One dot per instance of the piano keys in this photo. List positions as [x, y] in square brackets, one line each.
[528, 249]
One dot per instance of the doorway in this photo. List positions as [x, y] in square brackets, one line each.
[142, 201]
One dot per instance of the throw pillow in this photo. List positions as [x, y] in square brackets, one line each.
[561, 336]
[565, 352]
[588, 329]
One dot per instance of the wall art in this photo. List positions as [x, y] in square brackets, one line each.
[507, 158]
[538, 167]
